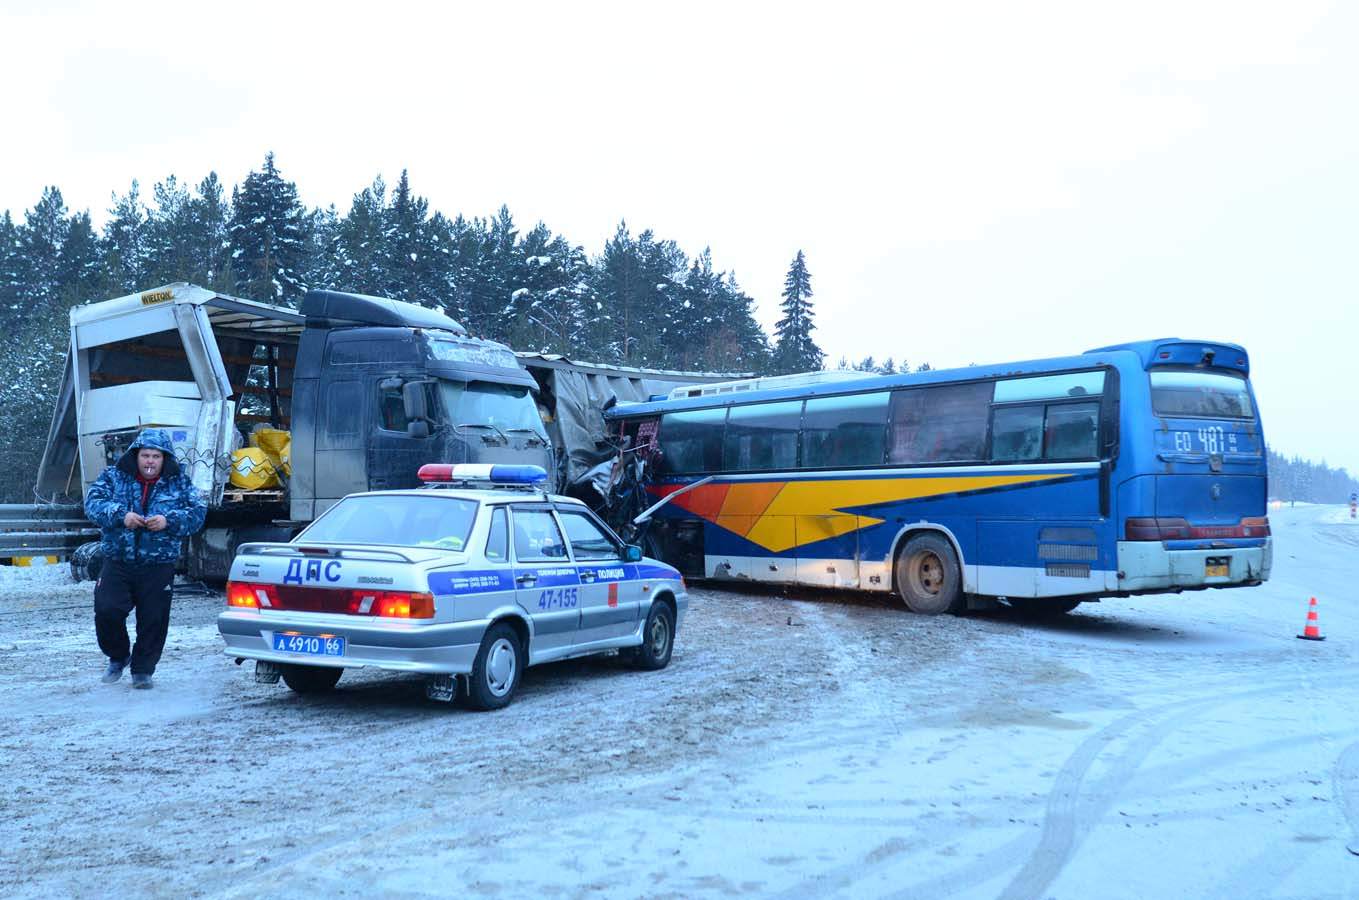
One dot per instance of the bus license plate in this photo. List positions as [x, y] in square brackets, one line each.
[309, 644]
[1216, 567]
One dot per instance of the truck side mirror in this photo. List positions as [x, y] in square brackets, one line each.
[417, 428]
[413, 398]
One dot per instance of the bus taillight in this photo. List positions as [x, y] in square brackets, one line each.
[1174, 529]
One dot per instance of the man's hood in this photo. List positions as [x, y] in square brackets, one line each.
[151, 439]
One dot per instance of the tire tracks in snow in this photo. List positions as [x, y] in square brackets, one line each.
[1075, 803]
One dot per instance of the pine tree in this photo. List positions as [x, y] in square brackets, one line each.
[44, 231]
[888, 367]
[360, 258]
[80, 271]
[13, 267]
[127, 245]
[408, 248]
[795, 350]
[268, 237]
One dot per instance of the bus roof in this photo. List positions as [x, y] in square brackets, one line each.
[1145, 354]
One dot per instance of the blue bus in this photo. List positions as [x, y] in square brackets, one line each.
[1132, 469]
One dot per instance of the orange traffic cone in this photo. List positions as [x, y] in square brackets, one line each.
[1313, 630]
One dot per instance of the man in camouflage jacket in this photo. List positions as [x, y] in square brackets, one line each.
[145, 507]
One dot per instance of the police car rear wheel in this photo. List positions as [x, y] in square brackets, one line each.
[496, 670]
[658, 638]
[310, 679]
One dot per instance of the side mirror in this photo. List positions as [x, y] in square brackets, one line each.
[417, 428]
[413, 399]
[632, 553]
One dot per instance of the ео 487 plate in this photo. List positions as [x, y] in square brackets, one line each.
[310, 644]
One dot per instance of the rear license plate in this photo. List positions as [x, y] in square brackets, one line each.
[309, 644]
[1216, 567]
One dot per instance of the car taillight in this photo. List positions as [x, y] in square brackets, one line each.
[1147, 529]
[403, 605]
[242, 595]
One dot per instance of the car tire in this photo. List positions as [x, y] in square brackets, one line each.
[928, 577]
[86, 562]
[310, 679]
[658, 638]
[497, 669]
[1041, 607]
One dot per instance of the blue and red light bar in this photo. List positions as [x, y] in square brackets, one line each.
[442, 473]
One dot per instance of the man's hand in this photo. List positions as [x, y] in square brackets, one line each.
[134, 521]
[156, 523]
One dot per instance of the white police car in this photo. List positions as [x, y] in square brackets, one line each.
[469, 579]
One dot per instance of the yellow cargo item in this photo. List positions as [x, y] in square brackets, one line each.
[252, 469]
[278, 444]
[35, 560]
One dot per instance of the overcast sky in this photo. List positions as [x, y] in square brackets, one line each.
[970, 182]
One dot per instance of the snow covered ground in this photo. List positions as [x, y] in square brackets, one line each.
[830, 745]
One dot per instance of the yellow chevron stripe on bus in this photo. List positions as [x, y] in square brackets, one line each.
[803, 512]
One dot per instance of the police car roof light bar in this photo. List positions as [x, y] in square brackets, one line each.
[443, 473]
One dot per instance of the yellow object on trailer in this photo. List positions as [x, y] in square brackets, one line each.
[252, 469]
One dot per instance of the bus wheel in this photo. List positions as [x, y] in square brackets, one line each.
[927, 576]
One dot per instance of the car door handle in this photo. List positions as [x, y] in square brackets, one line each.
[526, 580]
[587, 577]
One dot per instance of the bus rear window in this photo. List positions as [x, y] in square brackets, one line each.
[1211, 395]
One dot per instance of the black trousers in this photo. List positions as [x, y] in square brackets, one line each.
[121, 588]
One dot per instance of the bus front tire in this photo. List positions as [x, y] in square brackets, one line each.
[927, 576]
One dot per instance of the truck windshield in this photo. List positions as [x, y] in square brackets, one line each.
[400, 520]
[500, 407]
[1213, 395]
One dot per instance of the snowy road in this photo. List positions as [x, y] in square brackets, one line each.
[836, 745]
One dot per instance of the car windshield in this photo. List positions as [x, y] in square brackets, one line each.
[498, 407]
[1213, 395]
[400, 520]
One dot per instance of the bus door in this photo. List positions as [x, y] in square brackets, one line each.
[1046, 538]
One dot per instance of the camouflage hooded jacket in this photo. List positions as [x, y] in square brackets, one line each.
[117, 491]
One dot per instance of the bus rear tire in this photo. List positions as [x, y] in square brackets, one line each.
[928, 577]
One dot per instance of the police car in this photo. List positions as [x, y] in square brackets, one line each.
[469, 579]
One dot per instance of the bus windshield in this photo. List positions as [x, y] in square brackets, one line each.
[1213, 395]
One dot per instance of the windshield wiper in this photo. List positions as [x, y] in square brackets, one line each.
[542, 438]
[502, 435]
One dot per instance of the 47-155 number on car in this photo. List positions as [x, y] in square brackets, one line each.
[559, 598]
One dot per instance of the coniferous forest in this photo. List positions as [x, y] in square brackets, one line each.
[639, 301]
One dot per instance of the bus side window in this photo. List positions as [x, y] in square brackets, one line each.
[1017, 433]
[762, 437]
[844, 431]
[1072, 431]
[946, 423]
[691, 440]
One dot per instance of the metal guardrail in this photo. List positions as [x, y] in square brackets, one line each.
[43, 529]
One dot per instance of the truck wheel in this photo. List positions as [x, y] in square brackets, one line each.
[496, 670]
[86, 562]
[658, 638]
[310, 679]
[927, 576]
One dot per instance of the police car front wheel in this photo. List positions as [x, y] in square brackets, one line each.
[497, 669]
